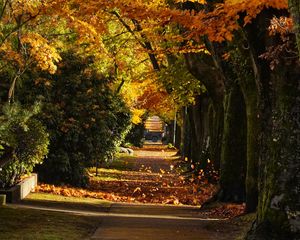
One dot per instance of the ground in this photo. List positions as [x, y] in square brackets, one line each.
[147, 177]
[111, 207]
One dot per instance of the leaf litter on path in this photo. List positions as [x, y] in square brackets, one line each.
[151, 178]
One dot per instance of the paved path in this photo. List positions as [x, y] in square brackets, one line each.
[120, 221]
[151, 222]
[150, 176]
[145, 222]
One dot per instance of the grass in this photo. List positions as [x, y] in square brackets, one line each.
[47, 197]
[49, 200]
[17, 223]
[28, 224]
[124, 156]
[120, 163]
[105, 174]
[107, 178]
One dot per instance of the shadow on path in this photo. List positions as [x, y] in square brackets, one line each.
[120, 221]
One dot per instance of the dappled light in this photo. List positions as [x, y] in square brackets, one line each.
[148, 177]
[162, 119]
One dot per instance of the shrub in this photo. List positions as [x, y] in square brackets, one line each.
[27, 138]
[85, 118]
[136, 135]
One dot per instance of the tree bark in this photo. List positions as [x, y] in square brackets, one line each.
[186, 148]
[294, 8]
[199, 127]
[216, 129]
[233, 157]
[278, 214]
[242, 67]
[182, 132]
[203, 68]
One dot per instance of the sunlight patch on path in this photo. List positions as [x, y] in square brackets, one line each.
[155, 154]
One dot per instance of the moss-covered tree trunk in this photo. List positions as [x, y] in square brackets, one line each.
[233, 157]
[250, 93]
[278, 213]
[253, 133]
[187, 141]
[182, 131]
[199, 123]
[294, 7]
[216, 130]
[241, 60]
[228, 126]
[178, 136]
[194, 149]
[203, 68]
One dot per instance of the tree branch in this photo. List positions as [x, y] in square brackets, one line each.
[146, 44]
[128, 28]
[3, 9]
[15, 29]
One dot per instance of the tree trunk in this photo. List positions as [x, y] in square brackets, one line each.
[217, 128]
[233, 157]
[182, 132]
[178, 136]
[187, 136]
[278, 214]
[279, 202]
[200, 130]
[195, 150]
[203, 68]
[242, 63]
[253, 133]
[294, 7]
[250, 93]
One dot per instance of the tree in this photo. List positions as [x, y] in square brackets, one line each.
[21, 47]
[276, 105]
[294, 8]
[249, 72]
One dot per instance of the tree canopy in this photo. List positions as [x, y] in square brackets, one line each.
[226, 70]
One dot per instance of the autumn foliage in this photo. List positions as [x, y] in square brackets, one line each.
[227, 71]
